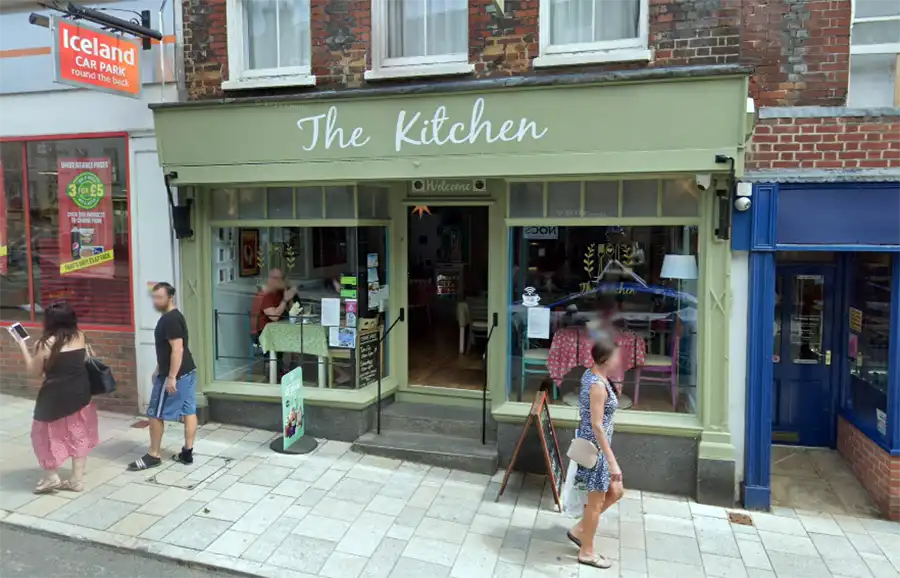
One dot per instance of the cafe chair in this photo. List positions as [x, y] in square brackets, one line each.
[477, 313]
[420, 298]
[534, 362]
[341, 355]
[659, 369]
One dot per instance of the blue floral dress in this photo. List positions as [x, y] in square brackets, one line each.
[596, 479]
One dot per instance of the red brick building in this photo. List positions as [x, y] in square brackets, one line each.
[825, 157]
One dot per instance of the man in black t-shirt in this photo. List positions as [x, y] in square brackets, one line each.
[174, 381]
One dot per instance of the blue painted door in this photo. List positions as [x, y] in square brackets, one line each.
[803, 409]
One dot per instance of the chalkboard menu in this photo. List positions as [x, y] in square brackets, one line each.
[367, 350]
[540, 417]
[551, 446]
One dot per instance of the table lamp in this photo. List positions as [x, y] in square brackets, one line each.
[681, 268]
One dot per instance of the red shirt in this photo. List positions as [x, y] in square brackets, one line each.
[264, 300]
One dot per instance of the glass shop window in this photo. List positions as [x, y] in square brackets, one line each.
[64, 230]
[869, 340]
[288, 297]
[640, 282]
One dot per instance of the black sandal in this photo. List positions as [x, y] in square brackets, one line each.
[574, 540]
[144, 463]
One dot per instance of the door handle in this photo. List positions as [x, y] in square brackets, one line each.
[828, 357]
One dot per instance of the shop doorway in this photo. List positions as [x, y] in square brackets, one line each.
[804, 406]
[448, 295]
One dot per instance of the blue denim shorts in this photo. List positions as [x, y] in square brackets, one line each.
[172, 406]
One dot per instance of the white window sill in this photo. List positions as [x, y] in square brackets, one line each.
[576, 58]
[269, 82]
[443, 69]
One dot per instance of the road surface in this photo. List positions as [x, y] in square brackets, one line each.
[26, 554]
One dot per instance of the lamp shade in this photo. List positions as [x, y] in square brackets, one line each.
[679, 267]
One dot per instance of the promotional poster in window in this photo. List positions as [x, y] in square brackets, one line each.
[85, 217]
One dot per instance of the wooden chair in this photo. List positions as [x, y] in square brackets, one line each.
[660, 369]
[478, 320]
[420, 297]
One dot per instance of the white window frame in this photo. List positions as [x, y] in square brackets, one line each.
[884, 48]
[887, 48]
[412, 66]
[241, 77]
[625, 50]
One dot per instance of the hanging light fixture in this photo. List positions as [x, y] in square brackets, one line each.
[420, 210]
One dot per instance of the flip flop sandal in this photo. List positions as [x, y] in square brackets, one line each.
[70, 486]
[47, 487]
[144, 463]
[574, 540]
[595, 562]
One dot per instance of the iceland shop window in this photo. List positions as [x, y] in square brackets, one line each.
[869, 340]
[65, 229]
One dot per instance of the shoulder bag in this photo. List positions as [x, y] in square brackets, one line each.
[99, 374]
[584, 453]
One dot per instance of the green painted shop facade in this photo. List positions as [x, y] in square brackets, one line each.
[367, 157]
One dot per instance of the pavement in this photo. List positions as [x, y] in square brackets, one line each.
[29, 555]
[337, 514]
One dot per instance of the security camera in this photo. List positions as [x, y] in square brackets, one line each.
[742, 204]
[703, 180]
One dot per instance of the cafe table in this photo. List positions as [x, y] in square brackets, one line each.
[571, 347]
[289, 337]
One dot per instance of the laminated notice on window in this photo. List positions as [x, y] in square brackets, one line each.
[538, 323]
[331, 312]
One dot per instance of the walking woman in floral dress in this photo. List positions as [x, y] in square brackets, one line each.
[65, 420]
[603, 483]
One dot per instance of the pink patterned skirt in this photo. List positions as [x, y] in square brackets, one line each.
[73, 436]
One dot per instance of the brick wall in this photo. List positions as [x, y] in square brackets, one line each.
[878, 471]
[839, 143]
[682, 32]
[800, 50]
[115, 348]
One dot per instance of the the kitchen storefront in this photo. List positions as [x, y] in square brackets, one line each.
[545, 206]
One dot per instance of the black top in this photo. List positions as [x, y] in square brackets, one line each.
[172, 326]
[66, 387]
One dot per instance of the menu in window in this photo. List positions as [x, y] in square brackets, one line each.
[3, 249]
[85, 217]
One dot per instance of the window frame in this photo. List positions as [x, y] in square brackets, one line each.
[305, 224]
[883, 48]
[867, 49]
[383, 67]
[242, 77]
[33, 322]
[699, 222]
[623, 50]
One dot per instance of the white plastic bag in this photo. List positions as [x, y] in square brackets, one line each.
[573, 500]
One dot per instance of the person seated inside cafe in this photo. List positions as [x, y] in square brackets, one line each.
[271, 304]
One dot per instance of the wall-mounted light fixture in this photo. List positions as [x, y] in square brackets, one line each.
[181, 214]
[743, 192]
[723, 198]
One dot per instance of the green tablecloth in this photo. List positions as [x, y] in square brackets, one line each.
[285, 336]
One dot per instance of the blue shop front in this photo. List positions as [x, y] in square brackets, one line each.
[823, 342]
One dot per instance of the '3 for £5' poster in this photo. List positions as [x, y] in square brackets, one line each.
[85, 217]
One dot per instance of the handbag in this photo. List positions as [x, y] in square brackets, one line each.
[584, 453]
[99, 374]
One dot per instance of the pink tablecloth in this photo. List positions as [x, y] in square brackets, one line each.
[572, 347]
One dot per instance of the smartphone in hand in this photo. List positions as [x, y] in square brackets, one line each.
[18, 332]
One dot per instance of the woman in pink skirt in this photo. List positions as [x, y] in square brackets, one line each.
[65, 420]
